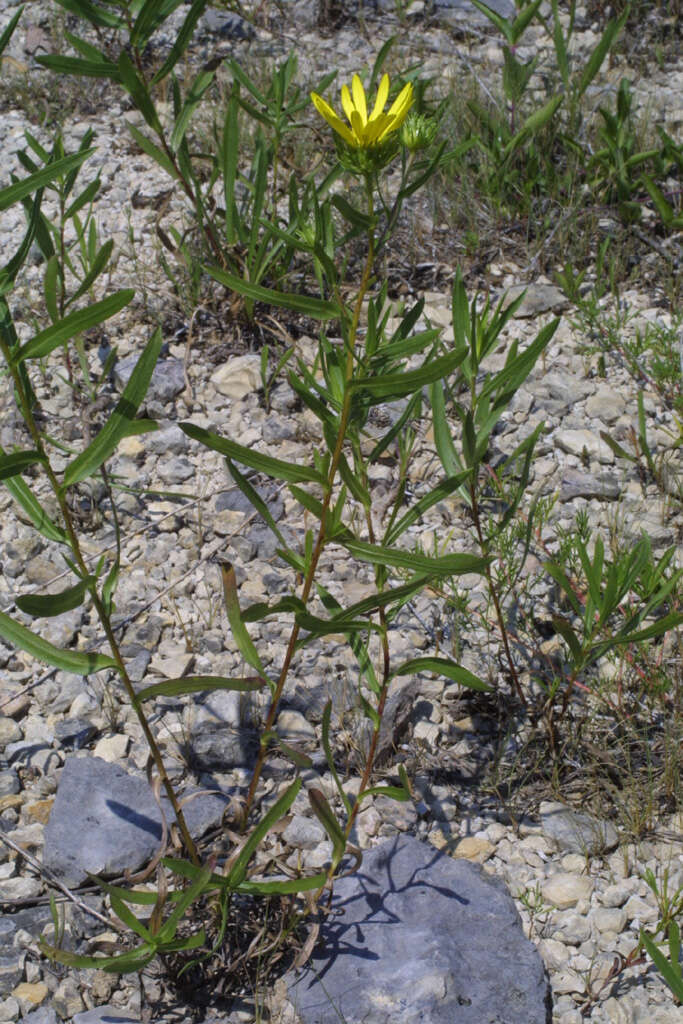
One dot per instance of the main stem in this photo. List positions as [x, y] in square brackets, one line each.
[322, 530]
[99, 606]
[494, 596]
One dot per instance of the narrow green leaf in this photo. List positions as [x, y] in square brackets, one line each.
[670, 973]
[285, 887]
[74, 323]
[262, 463]
[9, 30]
[121, 421]
[138, 92]
[27, 186]
[78, 66]
[200, 684]
[80, 663]
[267, 822]
[327, 715]
[167, 931]
[35, 511]
[443, 667]
[317, 309]
[443, 566]
[569, 636]
[239, 631]
[98, 265]
[40, 605]
[393, 792]
[561, 577]
[293, 754]
[155, 152]
[670, 621]
[197, 8]
[194, 98]
[396, 385]
[252, 495]
[532, 124]
[598, 55]
[17, 462]
[96, 15]
[327, 819]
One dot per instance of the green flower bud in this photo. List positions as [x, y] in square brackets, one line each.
[417, 132]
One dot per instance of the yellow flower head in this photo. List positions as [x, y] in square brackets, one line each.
[366, 132]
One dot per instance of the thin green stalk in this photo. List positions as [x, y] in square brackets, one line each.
[494, 596]
[322, 531]
[97, 601]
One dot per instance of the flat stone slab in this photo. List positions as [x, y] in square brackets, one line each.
[417, 936]
[577, 832]
[105, 821]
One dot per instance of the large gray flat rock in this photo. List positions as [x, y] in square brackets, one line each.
[105, 821]
[417, 936]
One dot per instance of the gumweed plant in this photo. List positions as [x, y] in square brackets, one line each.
[363, 360]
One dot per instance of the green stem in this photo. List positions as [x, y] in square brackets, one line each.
[494, 596]
[322, 531]
[97, 601]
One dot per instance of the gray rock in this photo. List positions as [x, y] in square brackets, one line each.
[43, 1015]
[576, 832]
[538, 298]
[168, 379]
[576, 484]
[419, 936]
[227, 25]
[11, 970]
[169, 440]
[9, 783]
[215, 747]
[107, 1014]
[175, 470]
[75, 732]
[105, 820]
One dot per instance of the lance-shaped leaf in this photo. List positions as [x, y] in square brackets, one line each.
[317, 309]
[20, 189]
[443, 667]
[569, 637]
[15, 463]
[444, 566]
[121, 421]
[166, 933]
[670, 970]
[327, 819]
[183, 37]
[239, 631]
[200, 684]
[267, 822]
[45, 341]
[256, 460]
[34, 510]
[44, 605]
[78, 662]
[396, 385]
[78, 66]
[252, 495]
[262, 887]
[441, 491]
[194, 98]
[327, 715]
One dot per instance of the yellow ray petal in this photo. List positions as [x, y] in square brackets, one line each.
[378, 127]
[359, 98]
[402, 104]
[382, 94]
[358, 127]
[326, 111]
[347, 102]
